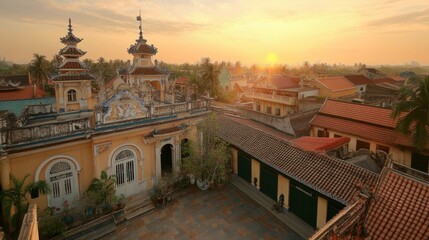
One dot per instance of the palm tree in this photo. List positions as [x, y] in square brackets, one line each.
[210, 77]
[38, 69]
[412, 110]
[14, 201]
[102, 191]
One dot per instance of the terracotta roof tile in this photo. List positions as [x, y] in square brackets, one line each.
[401, 210]
[358, 112]
[147, 71]
[182, 80]
[336, 83]
[363, 130]
[384, 79]
[358, 79]
[72, 65]
[332, 177]
[68, 77]
[319, 143]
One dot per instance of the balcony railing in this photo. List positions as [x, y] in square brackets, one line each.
[272, 97]
[34, 110]
[30, 133]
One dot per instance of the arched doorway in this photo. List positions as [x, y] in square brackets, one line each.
[61, 176]
[124, 163]
[166, 159]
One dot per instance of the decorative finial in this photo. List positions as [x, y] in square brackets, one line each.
[139, 18]
[70, 26]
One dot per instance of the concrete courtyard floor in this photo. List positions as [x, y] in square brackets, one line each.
[214, 214]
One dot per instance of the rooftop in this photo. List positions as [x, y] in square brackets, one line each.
[336, 83]
[319, 143]
[358, 79]
[332, 177]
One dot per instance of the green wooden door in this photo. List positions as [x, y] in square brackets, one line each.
[303, 203]
[244, 166]
[333, 209]
[268, 182]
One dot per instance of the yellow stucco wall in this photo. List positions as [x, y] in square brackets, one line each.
[84, 153]
[255, 172]
[234, 160]
[322, 211]
[399, 155]
[283, 188]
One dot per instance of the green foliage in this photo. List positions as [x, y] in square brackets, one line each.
[15, 203]
[50, 90]
[227, 97]
[213, 160]
[50, 225]
[412, 110]
[39, 69]
[101, 192]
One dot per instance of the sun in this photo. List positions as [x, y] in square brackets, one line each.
[272, 58]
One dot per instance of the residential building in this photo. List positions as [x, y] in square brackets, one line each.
[368, 127]
[396, 208]
[360, 81]
[311, 185]
[334, 87]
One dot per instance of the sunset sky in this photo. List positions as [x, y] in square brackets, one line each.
[261, 32]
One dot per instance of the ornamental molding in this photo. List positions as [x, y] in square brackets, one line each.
[101, 147]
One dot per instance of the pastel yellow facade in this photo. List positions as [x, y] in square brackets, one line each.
[283, 188]
[88, 158]
[322, 212]
[399, 155]
[325, 92]
[255, 172]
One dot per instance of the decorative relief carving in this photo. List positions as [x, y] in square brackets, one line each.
[101, 147]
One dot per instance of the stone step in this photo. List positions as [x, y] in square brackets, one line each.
[137, 206]
[99, 232]
[139, 211]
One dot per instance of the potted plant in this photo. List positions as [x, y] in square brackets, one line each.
[101, 192]
[119, 201]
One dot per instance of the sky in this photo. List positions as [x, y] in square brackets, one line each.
[374, 32]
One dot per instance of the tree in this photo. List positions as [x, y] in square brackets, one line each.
[210, 78]
[39, 69]
[14, 201]
[102, 191]
[212, 162]
[412, 110]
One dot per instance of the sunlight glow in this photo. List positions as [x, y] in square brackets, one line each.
[272, 58]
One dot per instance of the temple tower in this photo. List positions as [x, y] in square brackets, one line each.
[143, 70]
[73, 81]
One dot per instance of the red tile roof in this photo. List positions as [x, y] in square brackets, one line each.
[401, 210]
[285, 82]
[72, 65]
[147, 71]
[358, 79]
[358, 112]
[363, 130]
[182, 80]
[21, 93]
[72, 51]
[66, 77]
[329, 176]
[336, 83]
[319, 143]
[384, 79]
[143, 48]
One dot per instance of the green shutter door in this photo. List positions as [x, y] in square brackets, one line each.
[303, 203]
[268, 183]
[244, 166]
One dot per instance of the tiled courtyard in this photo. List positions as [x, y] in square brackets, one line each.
[213, 214]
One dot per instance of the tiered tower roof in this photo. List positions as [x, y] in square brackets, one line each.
[72, 68]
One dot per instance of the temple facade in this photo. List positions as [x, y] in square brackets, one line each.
[132, 128]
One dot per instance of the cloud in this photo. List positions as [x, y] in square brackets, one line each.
[416, 17]
[96, 15]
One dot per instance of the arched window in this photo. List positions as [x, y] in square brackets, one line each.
[61, 176]
[125, 171]
[71, 95]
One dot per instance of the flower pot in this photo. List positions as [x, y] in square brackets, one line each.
[192, 179]
[203, 184]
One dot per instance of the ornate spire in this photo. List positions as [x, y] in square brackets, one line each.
[70, 26]
[139, 18]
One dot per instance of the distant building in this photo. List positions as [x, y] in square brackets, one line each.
[360, 81]
[370, 128]
[16, 87]
[334, 87]
[371, 73]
